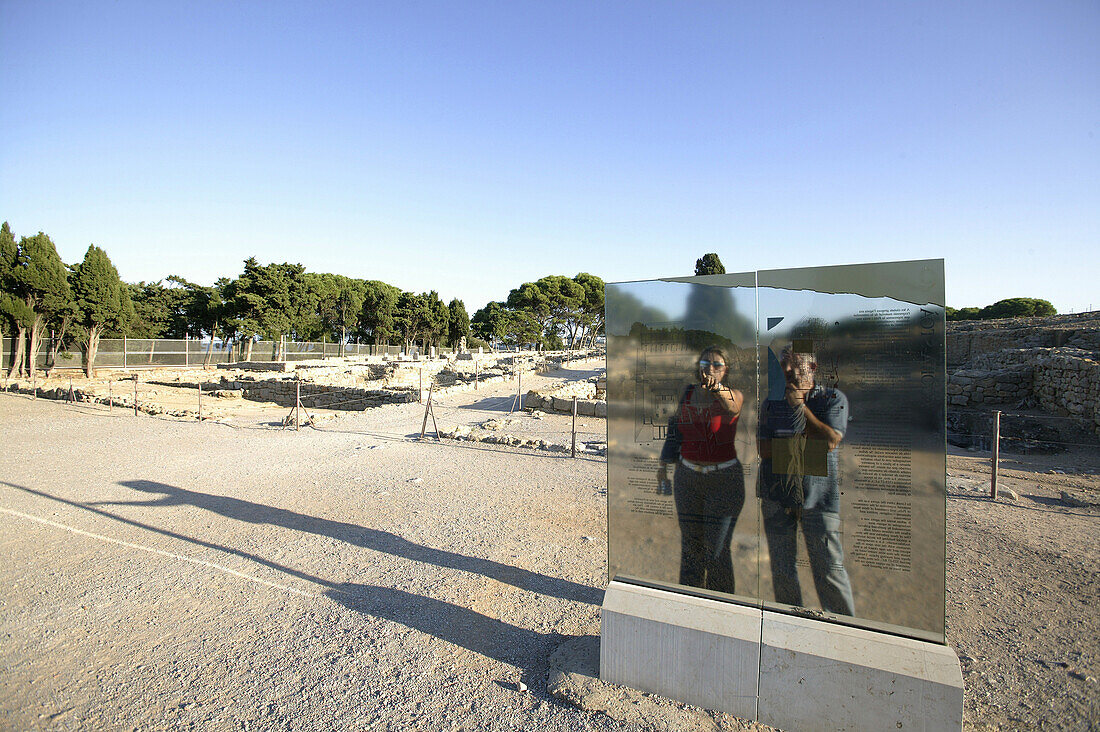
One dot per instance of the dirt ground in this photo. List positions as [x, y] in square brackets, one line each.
[161, 573]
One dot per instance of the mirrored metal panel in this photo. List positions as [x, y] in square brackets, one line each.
[839, 439]
[681, 384]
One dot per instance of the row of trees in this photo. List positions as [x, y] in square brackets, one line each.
[554, 312]
[82, 303]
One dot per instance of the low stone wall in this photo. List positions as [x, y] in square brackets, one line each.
[972, 387]
[561, 400]
[1063, 381]
[321, 396]
[968, 340]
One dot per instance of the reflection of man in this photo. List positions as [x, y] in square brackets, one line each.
[798, 437]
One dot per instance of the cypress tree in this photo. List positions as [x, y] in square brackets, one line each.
[41, 282]
[102, 299]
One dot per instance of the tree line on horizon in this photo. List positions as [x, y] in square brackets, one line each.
[42, 299]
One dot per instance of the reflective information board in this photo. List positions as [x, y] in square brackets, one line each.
[776, 438]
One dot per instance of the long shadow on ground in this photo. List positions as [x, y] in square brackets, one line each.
[374, 539]
[458, 625]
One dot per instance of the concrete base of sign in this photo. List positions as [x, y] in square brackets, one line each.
[785, 671]
[703, 652]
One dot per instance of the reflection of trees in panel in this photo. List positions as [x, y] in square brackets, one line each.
[625, 310]
[711, 308]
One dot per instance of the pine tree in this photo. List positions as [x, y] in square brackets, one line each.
[709, 264]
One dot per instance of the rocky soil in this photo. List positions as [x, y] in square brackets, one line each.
[161, 573]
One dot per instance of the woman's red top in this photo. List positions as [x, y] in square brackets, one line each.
[707, 432]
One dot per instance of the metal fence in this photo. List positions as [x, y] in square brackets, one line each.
[146, 352]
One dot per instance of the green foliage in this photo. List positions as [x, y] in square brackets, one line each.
[39, 277]
[709, 264]
[490, 322]
[159, 311]
[269, 301]
[376, 318]
[1013, 307]
[14, 311]
[98, 292]
[203, 307]
[553, 307]
[458, 323]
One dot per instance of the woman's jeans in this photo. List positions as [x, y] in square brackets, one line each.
[707, 507]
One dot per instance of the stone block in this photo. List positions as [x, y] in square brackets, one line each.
[820, 676]
[586, 408]
[601, 409]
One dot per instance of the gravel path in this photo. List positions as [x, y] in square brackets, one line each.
[166, 574]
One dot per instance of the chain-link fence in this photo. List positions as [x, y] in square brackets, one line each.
[150, 352]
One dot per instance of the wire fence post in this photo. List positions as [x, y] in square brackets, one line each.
[297, 403]
[110, 395]
[574, 450]
[427, 411]
[186, 350]
[200, 400]
[476, 374]
[124, 364]
[34, 384]
[324, 346]
[72, 394]
[135, 395]
[996, 454]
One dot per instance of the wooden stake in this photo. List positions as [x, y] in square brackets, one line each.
[427, 409]
[996, 454]
[574, 427]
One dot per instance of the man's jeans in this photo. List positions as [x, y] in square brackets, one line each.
[822, 532]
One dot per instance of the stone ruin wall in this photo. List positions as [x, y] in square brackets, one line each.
[1052, 363]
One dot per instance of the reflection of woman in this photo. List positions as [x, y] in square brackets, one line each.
[709, 481]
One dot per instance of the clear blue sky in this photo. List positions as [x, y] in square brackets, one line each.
[467, 147]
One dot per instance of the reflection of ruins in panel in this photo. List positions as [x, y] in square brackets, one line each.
[876, 333]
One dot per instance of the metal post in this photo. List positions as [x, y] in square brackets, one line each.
[186, 350]
[298, 403]
[110, 395]
[34, 383]
[135, 396]
[72, 394]
[200, 401]
[124, 352]
[996, 454]
[324, 347]
[519, 390]
[475, 374]
[574, 452]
